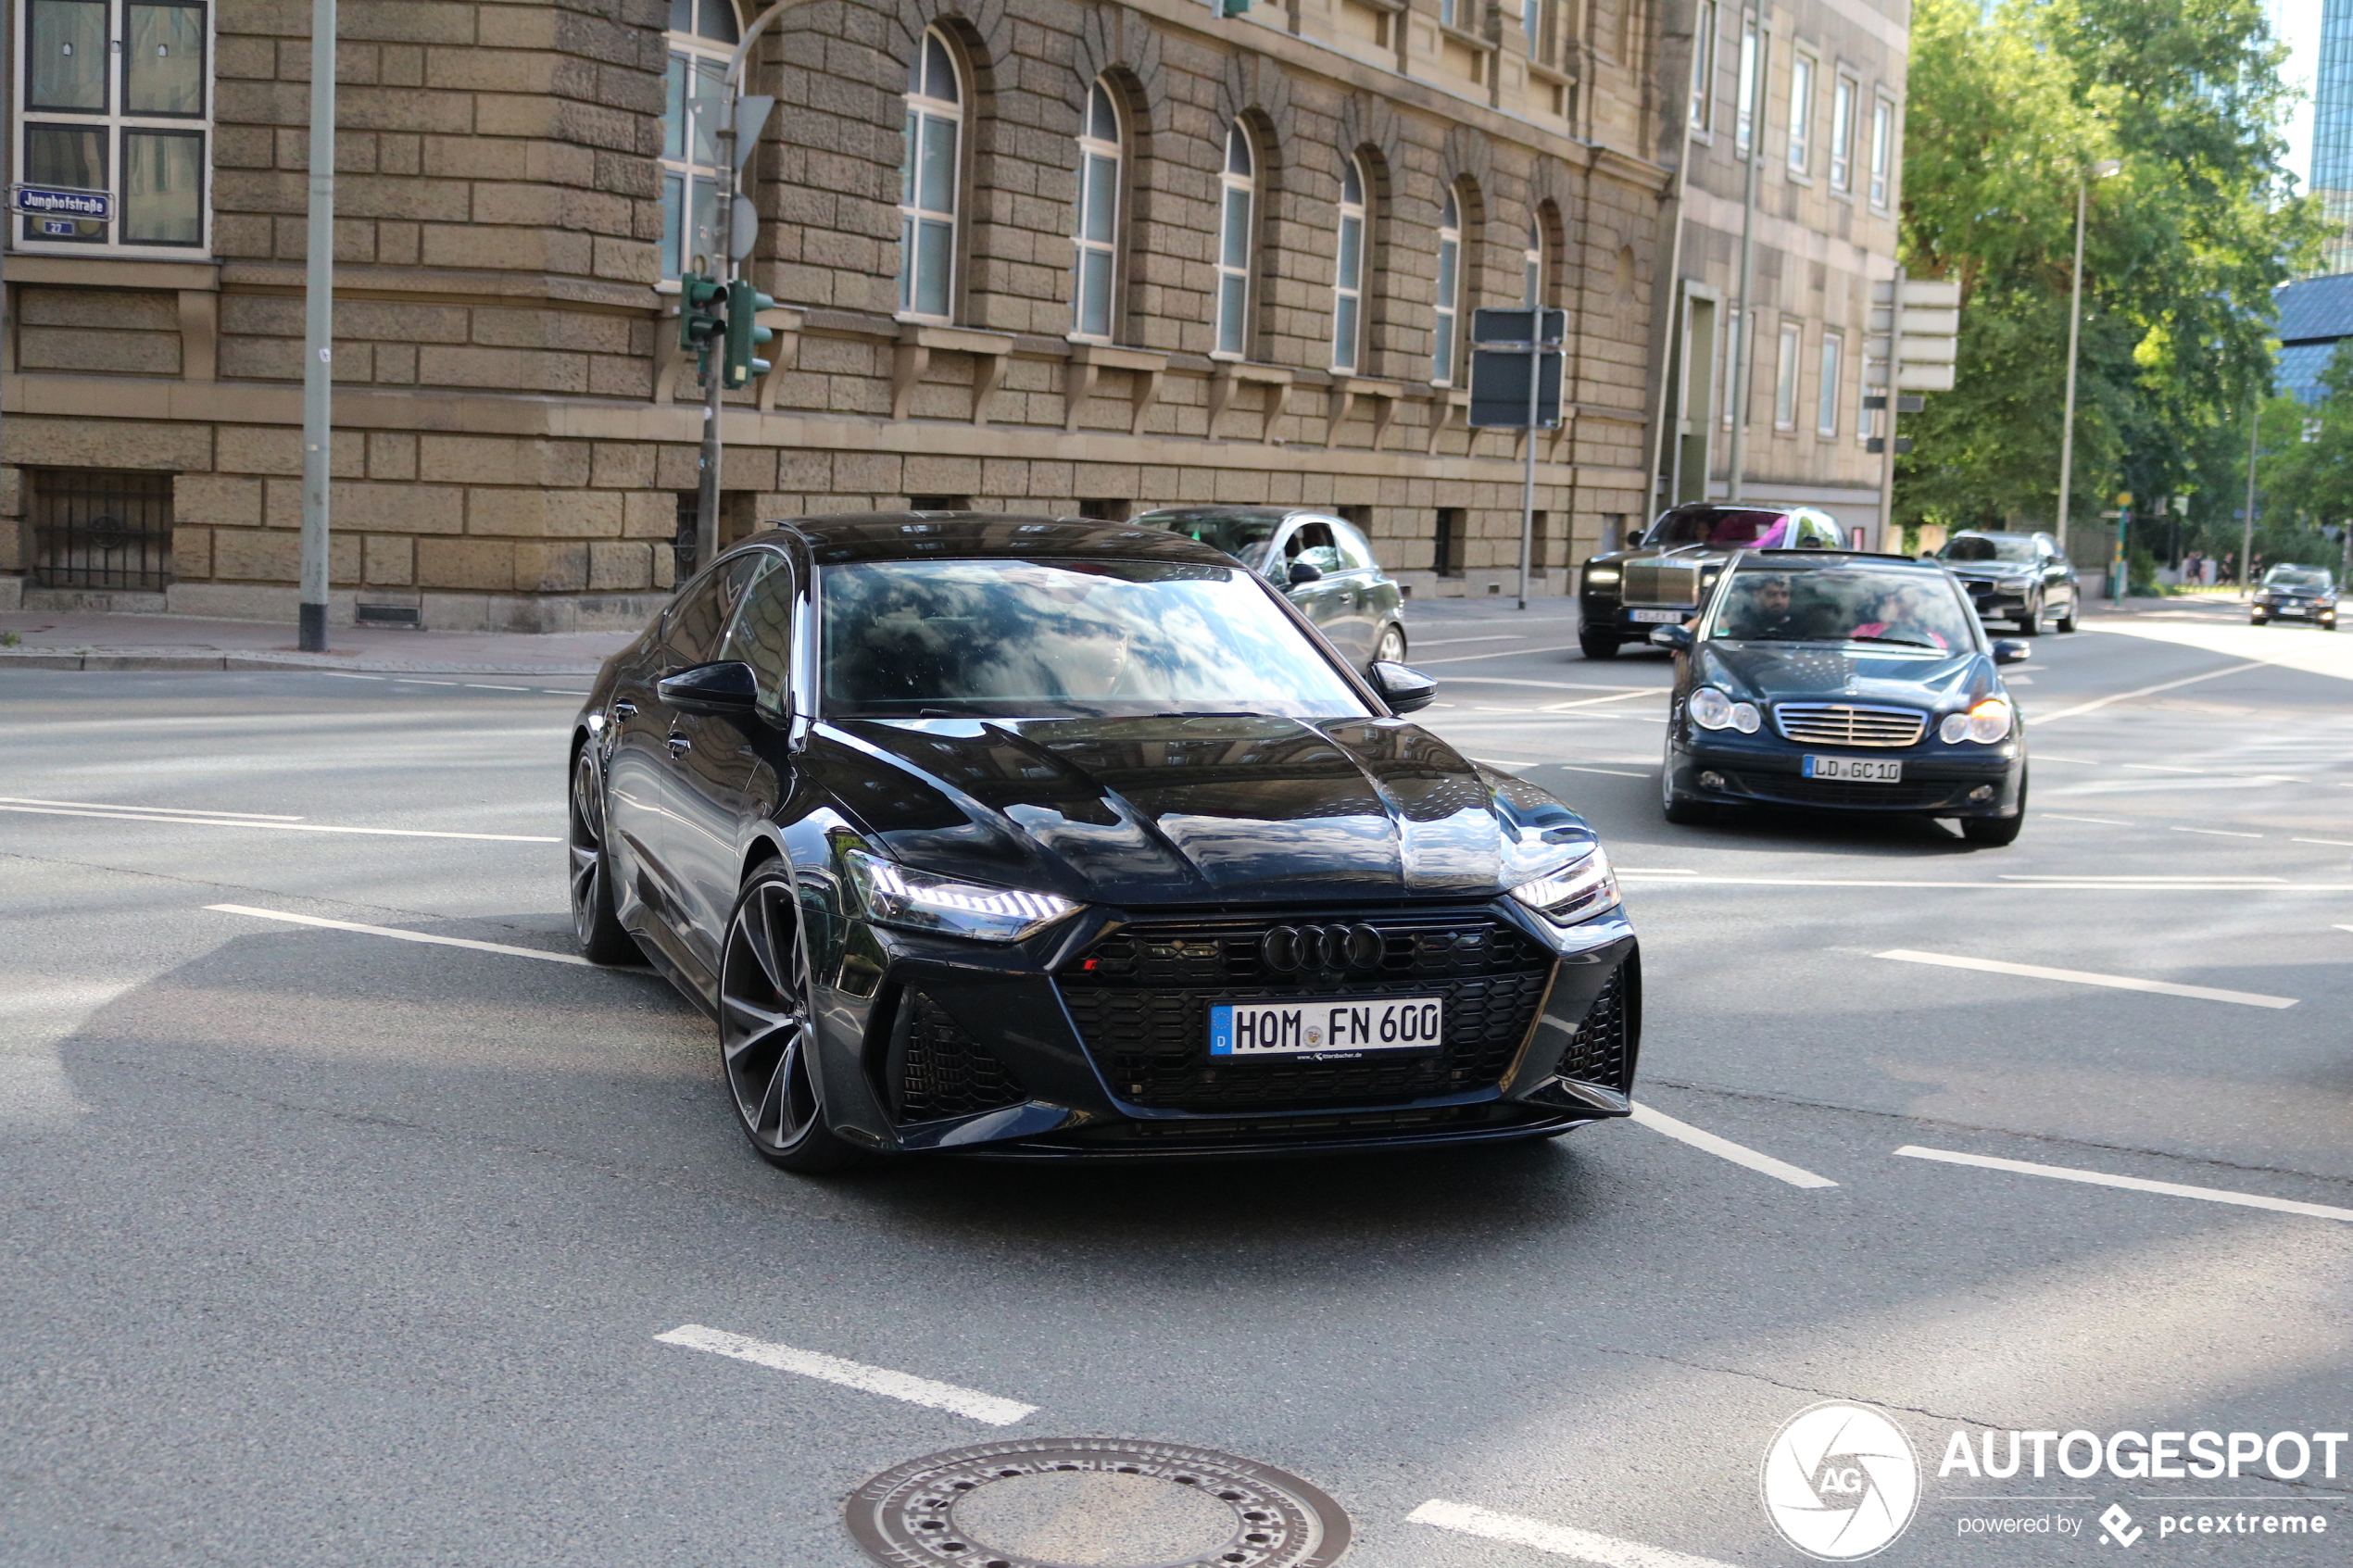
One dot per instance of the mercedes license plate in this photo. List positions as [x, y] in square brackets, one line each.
[1325, 1028]
[1660, 617]
[1862, 770]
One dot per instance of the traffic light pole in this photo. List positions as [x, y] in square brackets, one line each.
[714, 379]
[319, 332]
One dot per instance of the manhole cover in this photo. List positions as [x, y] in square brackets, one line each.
[1088, 1502]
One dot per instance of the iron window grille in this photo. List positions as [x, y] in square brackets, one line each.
[97, 528]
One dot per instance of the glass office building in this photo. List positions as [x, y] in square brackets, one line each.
[2332, 133]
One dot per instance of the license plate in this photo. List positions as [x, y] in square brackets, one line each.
[1327, 1028]
[1863, 770]
[1660, 617]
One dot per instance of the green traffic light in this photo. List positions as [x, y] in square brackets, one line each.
[698, 323]
[745, 334]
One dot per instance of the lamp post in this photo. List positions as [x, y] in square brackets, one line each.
[2099, 171]
[317, 334]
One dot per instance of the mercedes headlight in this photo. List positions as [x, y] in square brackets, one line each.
[896, 895]
[1985, 724]
[1578, 890]
[1711, 710]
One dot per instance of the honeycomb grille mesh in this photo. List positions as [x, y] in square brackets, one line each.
[945, 1072]
[1599, 1053]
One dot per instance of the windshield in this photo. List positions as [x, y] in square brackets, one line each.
[1978, 546]
[2296, 577]
[1721, 525]
[1045, 639]
[1244, 538]
[1844, 604]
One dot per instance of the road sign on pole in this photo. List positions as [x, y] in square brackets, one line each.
[1516, 384]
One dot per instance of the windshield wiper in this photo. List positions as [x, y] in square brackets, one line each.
[1900, 641]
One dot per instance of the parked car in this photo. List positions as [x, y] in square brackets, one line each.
[1663, 579]
[1011, 836]
[1323, 563]
[2019, 577]
[2296, 593]
[1856, 682]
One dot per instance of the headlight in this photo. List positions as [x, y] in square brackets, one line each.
[1580, 890]
[1601, 576]
[895, 896]
[1711, 710]
[1985, 724]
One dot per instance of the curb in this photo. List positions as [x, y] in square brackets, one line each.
[141, 659]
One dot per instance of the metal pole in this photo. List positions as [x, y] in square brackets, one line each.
[2254, 445]
[1744, 333]
[1528, 487]
[1894, 372]
[2074, 335]
[319, 330]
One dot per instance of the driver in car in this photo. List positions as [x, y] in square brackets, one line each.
[1768, 615]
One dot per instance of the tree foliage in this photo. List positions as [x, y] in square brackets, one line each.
[2010, 105]
[2304, 473]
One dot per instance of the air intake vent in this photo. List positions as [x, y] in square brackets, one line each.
[942, 1071]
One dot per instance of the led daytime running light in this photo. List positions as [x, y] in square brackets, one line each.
[896, 895]
[1577, 891]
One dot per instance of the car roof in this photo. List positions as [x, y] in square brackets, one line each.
[1783, 560]
[869, 536]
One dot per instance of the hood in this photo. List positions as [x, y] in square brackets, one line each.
[1989, 570]
[1188, 810]
[1832, 672]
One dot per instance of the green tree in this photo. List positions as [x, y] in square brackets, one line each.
[2304, 471]
[2010, 105]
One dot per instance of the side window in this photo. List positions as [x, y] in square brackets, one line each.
[761, 636]
[1312, 544]
[1353, 551]
[690, 632]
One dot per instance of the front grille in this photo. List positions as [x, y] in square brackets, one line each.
[1602, 1051]
[1789, 789]
[944, 1072]
[1656, 581]
[1838, 723]
[1141, 998]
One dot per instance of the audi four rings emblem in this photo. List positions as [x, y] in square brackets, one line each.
[1289, 949]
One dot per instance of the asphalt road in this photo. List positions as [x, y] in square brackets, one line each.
[326, 1247]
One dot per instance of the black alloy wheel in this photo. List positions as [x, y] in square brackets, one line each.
[1996, 832]
[593, 925]
[1677, 807]
[766, 1030]
[1391, 649]
[2030, 619]
[1597, 645]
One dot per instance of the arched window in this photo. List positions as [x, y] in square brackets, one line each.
[1347, 279]
[1449, 290]
[1236, 238]
[1532, 265]
[701, 34]
[930, 169]
[1096, 233]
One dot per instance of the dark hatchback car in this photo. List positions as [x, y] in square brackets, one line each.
[1664, 577]
[1324, 564]
[2024, 578]
[2296, 593]
[1856, 682]
[1021, 837]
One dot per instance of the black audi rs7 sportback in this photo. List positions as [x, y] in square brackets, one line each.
[1012, 837]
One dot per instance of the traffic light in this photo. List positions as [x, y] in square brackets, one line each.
[745, 334]
[697, 321]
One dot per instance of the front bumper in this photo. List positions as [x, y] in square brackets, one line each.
[1763, 769]
[2296, 610]
[1091, 1040]
[1998, 600]
[1614, 616]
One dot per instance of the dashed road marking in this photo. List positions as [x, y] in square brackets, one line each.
[210, 820]
[1725, 1148]
[2131, 1184]
[851, 1375]
[2333, 843]
[2083, 977]
[2218, 833]
[400, 935]
[2103, 821]
[174, 810]
[1494, 653]
[1585, 1546]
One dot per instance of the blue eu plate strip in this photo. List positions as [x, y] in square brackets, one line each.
[1221, 1031]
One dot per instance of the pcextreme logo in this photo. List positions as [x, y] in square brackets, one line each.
[1840, 1482]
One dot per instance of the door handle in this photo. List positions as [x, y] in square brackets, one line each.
[679, 744]
[624, 709]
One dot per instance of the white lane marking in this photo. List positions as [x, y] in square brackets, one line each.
[399, 934]
[2056, 817]
[1500, 762]
[2215, 833]
[1725, 1148]
[2333, 842]
[1450, 642]
[1466, 1520]
[851, 1375]
[2098, 703]
[2079, 885]
[1574, 767]
[175, 810]
[413, 681]
[479, 687]
[1594, 701]
[187, 820]
[2131, 1184]
[1497, 653]
[2161, 767]
[559, 691]
[2083, 977]
[2166, 881]
[347, 675]
[2346, 928]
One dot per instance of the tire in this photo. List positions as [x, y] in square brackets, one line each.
[1994, 833]
[1679, 809]
[1391, 649]
[767, 1029]
[2030, 619]
[1597, 645]
[2254, 621]
[593, 925]
[2066, 622]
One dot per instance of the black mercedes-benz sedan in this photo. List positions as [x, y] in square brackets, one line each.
[2296, 593]
[1012, 837]
[1857, 682]
[2024, 578]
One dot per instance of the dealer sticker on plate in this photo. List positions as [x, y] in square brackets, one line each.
[1314, 1028]
[1863, 770]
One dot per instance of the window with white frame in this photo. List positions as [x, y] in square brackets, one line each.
[1801, 114]
[1237, 239]
[1844, 95]
[930, 170]
[115, 96]
[1744, 106]
[1882, 149]
[1874, 385]
[1348, 275]
[1096, 231]
[702, 34]
[1826, 393]
[1704, 23]
[1532, 266]
[1531, 22]
[1785, 379]
[1449, 291]
[1451, 12]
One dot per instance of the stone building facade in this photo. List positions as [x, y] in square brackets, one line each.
[1071, 255]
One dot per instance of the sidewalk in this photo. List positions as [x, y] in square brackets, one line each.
[90, 640]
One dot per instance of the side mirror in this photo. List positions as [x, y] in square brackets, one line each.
[728, 689]
[1406, 690]
[1304, 572]
[2012, 650]
[1676, 639]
